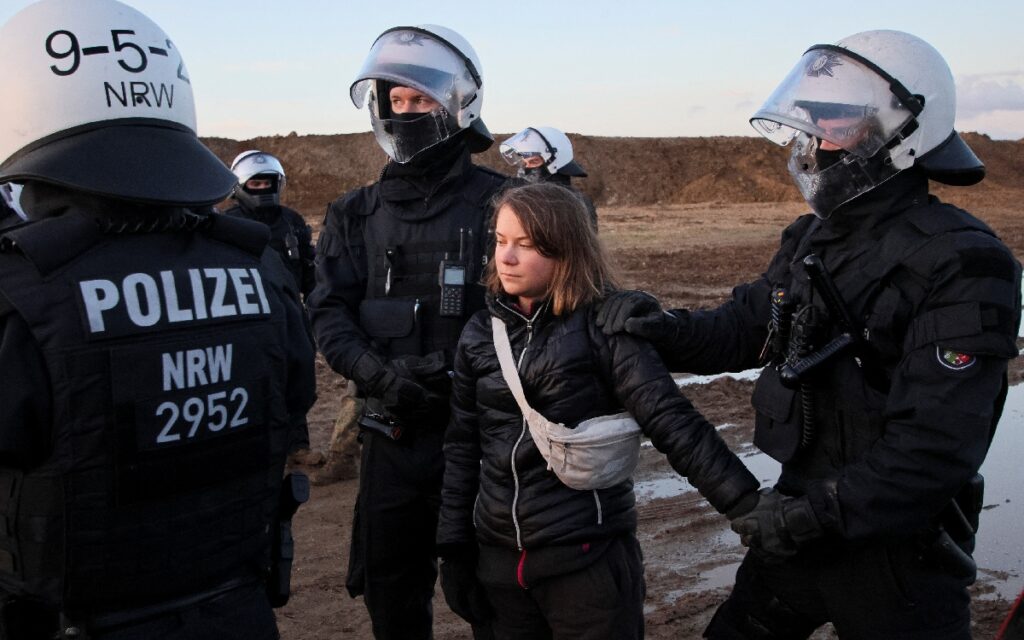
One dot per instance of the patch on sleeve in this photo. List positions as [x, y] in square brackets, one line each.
[954, 359]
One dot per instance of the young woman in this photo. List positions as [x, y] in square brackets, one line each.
[523, 553]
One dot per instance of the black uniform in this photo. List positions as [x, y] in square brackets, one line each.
[376, 315]
[290, 237]
[149, 381]
[882, 436]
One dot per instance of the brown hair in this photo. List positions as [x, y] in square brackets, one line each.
[559, 225]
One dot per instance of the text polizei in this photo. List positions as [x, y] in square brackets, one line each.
[144, 300]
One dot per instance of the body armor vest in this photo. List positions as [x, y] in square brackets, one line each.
[401, 310]
[170, 426]
[835, 412]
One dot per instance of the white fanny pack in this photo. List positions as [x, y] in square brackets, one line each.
[597, 454]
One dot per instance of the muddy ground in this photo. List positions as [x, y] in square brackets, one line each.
[689, 255]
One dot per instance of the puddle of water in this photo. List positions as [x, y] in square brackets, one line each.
[1000, 542]
[764, 469]
[1000, 545]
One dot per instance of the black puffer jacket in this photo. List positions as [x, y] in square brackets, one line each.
[496, 481]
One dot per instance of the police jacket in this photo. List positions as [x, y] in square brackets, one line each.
[290, 237]
[900, 421]
[497, 489]
[149, 379]
[378, 264]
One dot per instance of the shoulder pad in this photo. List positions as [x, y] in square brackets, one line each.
[358, 202]
[53, 242]
[491, 172]
[938, 217]
[483, 184]
[247, 235]
[798, 228]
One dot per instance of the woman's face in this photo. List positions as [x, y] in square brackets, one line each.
[523, 271]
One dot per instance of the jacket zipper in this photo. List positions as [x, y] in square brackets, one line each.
[522, 433]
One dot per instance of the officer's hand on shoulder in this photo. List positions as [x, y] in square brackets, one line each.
[640, 314]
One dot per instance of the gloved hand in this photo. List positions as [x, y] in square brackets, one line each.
[639, 314]
[777, 526]
[401, 396]
[462, 591]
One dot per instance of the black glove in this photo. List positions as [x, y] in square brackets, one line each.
[777, 526]
[401, 396]
[639, 314]
[462, 591]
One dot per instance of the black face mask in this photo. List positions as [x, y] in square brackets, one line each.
[534, 174]
[413, 133]
[826, 159]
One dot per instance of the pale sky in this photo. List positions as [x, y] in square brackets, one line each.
[625, 68]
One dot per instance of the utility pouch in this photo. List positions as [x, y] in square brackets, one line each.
[777, 424]
[971, 499]
[393, 324]
[294, 492]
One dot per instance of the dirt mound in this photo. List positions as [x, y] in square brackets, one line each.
[623, 171]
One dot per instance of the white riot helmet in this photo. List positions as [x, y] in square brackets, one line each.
[257, 164]
[437, 62]
[861, 111]
[548, 144]
[99, 100]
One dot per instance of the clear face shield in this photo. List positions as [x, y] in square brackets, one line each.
[529, 151]
[843, 116]
[418, 60]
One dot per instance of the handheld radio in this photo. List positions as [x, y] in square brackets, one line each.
[452, 280]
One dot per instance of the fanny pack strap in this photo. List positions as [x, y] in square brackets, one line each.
[534, 420]
[508, 366]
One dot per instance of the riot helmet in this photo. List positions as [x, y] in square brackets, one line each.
[260, 180]
[436, 62]
[103, 105]
[538, 152]
[862, 110]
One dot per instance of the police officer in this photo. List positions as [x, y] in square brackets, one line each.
[261, 179]
[886, 321]
[544, 154]
[160, 350]
[398, 265]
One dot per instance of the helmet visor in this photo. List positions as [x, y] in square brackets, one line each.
[834, 97]
[412, 58]
[830, 179]
[526, 144]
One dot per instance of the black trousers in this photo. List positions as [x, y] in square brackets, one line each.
[392, 560]
[881, 591]
[602, 601]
